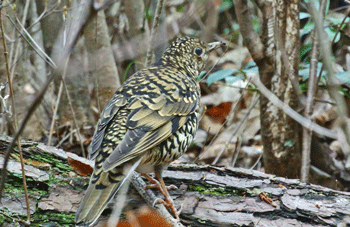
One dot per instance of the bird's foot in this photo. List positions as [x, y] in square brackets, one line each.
[167, 201]
[156, 185]
[169, 204]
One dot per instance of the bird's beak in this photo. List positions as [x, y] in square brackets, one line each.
[215, 45]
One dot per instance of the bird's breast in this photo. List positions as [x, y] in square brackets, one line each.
[172, 148]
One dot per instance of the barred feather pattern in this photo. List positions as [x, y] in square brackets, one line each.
[149, 122]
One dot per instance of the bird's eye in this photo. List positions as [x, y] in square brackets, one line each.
[198, 51]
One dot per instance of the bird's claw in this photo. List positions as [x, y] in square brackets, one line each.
[169, 204]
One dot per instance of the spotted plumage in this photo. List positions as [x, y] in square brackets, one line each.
[149, 122]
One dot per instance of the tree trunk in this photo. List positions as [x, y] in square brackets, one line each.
[102, 67]
[280, 134]
[276, 55]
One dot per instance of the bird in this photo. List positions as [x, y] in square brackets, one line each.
[149, 122]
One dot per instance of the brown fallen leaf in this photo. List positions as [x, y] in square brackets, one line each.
[220, 112]
[79, 167]
[145, 217]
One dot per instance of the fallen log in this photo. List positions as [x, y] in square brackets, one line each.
[208, 195]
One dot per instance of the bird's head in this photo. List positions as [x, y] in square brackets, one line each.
[190, 54]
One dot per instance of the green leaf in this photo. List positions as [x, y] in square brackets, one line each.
[304, 49]
[337, 21]
[200, 76]
[308, 27]
[344, 77]
[254, 69]
[303, 15]
[225, 5]
[327, 7]
[219, 75]
[250, 64]
[232, 79]
[305, 72]
[331, 33]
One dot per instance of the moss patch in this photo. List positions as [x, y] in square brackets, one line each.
[212, 191]
[53, 218]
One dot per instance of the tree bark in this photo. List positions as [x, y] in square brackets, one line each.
[101, 66]
[280, 36]
[51, 24]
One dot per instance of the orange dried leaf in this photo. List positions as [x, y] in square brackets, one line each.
[146, 217]
[220, 112]
[79, 167]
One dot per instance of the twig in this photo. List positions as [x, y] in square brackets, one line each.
[82, 13]
[237, 150]
[312, 86]
[9, 3]
[29, 39]
[55, 113]
[12, 218]
[229, 118]
[24, 18]
[333, 40]
[250, 39]
[307, 123]
[307, 134]
[15, 118]
[63, 83]
[326, 52]
[74, 118]
[153, 32]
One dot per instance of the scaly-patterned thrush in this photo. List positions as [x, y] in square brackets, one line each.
[149, 122]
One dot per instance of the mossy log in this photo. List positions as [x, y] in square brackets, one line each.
[209, 196]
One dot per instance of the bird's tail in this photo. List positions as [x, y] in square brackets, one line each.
[102, 188]
[97, 196]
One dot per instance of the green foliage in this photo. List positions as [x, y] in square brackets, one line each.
[200, 76]
[148, 13]
[4, 219]
[232, 75]
[304, 72]
[225, 5]
[331, 26]
[343, 77]
[304, 49]
[219, 75]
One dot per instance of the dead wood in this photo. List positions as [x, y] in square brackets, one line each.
[209, 196]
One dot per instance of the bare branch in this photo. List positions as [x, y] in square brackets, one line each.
[326, 52]
[153, 32]
[307, 123]
[250, 39]
[312, 87]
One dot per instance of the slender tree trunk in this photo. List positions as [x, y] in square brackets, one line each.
[280, 133]
[276, 54]
[101, 66]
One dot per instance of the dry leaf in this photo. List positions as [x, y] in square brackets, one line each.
[80, 167]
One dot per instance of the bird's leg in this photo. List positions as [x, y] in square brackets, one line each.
[156, 185]
[160, 185]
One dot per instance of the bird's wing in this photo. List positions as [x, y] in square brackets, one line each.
[150, 122]
[117, 102]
